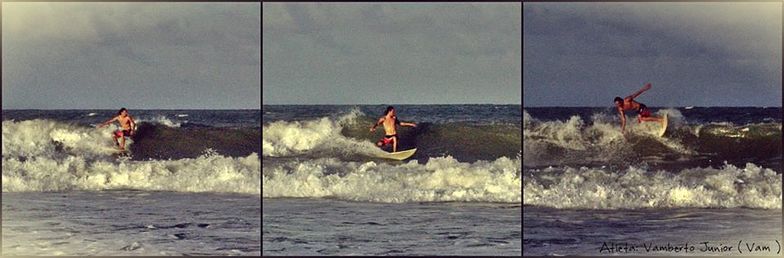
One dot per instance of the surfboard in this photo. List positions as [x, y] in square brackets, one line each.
[400, 155]
[652, 128]
[663, 125]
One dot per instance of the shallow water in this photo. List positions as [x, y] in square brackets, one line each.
[596, 232]
[300, 226]
[124, 222]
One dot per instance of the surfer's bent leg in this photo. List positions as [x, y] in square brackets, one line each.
[394, 143]
[122, 140]
[383, 141]
[644, 114]
[116, 135]
[651, 119]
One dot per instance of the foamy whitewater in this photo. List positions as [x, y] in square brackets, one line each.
[324, 157]
[59, 157]
[713, 177]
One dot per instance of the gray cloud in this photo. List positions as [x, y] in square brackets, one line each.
[709, 54]
[391, 53]
[139, 55]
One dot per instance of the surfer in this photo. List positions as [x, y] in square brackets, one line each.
[127, 124]
[628, 103]
[389, 120]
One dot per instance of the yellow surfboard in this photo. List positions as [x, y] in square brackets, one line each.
[663, 125]
[652, 128]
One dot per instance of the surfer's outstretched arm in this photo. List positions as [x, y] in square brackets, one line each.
[107, 122]
[407, 124]
[644, 88]
[623, 119]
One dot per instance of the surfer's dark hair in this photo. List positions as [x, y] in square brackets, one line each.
[121, 110]
[618, 99]
[389, 108]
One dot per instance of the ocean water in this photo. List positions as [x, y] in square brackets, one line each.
[711, 186]
[189, 185]
[325, 193]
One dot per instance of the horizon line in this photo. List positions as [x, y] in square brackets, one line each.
[393, 104]
[127, 108]
[610, 106]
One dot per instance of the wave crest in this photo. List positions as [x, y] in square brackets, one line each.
[599, 141]
[40, 137]
[282, 138]
[46, 155]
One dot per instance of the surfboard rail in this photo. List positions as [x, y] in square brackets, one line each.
[663, 125]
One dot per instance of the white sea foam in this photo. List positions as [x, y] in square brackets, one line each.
[440, 179]
[207, 173]
[283, 138]
[47, 138]
[597, 188]
[554, 142]
[163, 120]
[45, 155]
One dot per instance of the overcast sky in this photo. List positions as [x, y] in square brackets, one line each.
[694, 54]
[135, 55]
[391, 53]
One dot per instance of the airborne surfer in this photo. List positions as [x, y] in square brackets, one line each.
[389, 120]
[127, 124]
[628, 103]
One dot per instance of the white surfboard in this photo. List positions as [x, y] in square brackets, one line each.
[400, 155]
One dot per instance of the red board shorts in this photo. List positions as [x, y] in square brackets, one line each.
[387, 139]
[644, 111]
[126, 133]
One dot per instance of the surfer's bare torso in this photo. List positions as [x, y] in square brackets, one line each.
[630, 104]
[389, 123]
[125, 122]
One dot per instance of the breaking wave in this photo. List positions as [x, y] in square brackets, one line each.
[47, 155]
[347, 136]
[601, 188]
[600, 141]
[442, 179]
